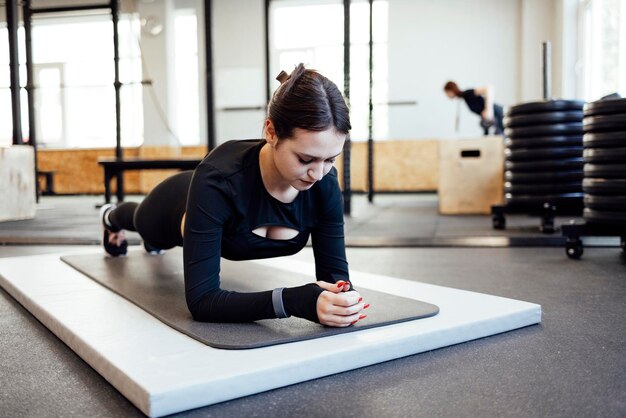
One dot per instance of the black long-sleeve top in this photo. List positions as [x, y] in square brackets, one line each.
[227, 201]
[475, 102]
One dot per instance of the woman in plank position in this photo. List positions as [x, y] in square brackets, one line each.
[255, 199]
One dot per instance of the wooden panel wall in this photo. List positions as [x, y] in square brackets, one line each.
[410, 165]
[407, 166]
[150, 178]
[78, 172]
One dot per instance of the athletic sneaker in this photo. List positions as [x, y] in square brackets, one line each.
[151, 249]
[112, 250]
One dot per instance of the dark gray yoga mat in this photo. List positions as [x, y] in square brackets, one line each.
[155, 284]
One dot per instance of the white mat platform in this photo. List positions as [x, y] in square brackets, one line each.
[162, 371]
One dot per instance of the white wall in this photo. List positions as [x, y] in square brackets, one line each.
[158, 58]
[430, 42]
[239, 68]
[555, 21]
[475, 43]
[538, 22]
[199, 5]
[566, 72]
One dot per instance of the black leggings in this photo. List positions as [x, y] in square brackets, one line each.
[158, 217]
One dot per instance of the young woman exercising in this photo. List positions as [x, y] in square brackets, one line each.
[254, 199]
[480, 101]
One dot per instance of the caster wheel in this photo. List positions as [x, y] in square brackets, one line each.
[498, 222]
[574, 249]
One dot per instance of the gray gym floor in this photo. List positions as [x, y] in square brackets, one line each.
[393, 220]
[571, 365]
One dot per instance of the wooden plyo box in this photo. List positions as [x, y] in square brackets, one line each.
[17, 183]
[471, 175]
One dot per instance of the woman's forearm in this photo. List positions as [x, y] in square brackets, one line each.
[225, 306]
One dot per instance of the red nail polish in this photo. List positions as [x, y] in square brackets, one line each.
[362, 317]
[354, 322]
[360, 300]
[340, 284]
[367, 305]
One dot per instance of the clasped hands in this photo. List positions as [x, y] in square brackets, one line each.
[338, 306]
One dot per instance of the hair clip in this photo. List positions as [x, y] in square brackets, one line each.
[282, 77]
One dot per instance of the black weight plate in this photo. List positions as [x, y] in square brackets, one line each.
[605, 171]
[542, 189]
[534, 154]
[605, 139]
[605, 202]
[605, 216]
[610, 123]
[543, 118]
[605, 107]
[604, 186]
[545, 165]
[605, 155]
[572, 201]
[543, 177]
[572, 128]
[545, 106]
[545, 141]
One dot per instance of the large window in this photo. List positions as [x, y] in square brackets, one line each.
[603, 52]
[312, 32]
[74, 74]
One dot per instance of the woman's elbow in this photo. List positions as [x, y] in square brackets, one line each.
[193, 310]
[198, 312]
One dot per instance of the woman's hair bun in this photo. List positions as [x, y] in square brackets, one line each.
[307, 100]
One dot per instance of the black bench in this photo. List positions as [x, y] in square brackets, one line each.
[48, 177]
[114, 167]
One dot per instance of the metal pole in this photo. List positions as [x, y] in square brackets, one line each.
[16, 108]
[547, 70]
[208, 45]
[30, 86]
[347, 187]
[117, 85]
[370, 139]
[268, 86]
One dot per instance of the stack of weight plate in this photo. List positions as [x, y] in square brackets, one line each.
[605, 162]
[543, 155]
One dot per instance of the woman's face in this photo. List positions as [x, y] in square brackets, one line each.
[306, 157]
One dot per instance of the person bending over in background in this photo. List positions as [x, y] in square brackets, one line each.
[251, 199]
[480, 101]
